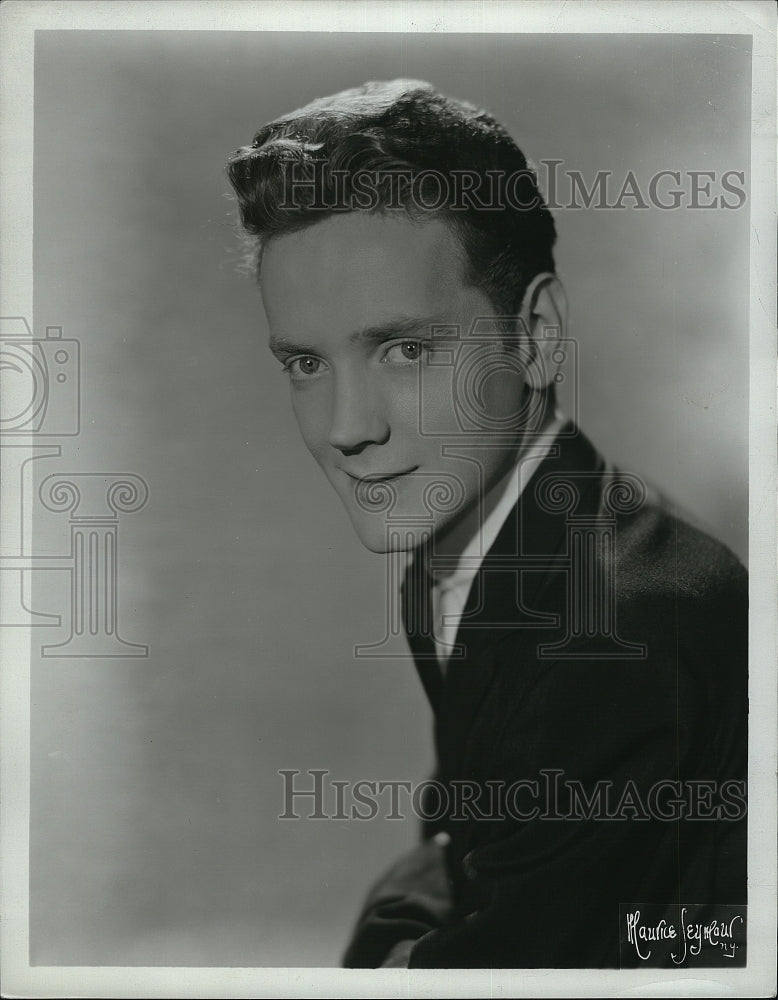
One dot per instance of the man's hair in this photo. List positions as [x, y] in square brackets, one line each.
[400, 145]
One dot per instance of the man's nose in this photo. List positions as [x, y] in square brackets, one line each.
[358, 417]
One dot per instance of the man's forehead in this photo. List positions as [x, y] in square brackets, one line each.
[356, 256]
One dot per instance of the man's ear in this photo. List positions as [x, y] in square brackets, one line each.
[543, 316]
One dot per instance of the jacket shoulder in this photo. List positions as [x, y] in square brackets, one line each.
[657, 550]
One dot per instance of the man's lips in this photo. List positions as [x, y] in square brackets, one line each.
[379, 477]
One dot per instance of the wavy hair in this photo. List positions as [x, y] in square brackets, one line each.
[411, 142]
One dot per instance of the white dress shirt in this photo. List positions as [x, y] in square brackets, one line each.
[450, 590]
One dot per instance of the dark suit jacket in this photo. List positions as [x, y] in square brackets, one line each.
[605, 640]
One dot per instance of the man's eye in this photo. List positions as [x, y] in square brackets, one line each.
[304, 367]
[405, 352]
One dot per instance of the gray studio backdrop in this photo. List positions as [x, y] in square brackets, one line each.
[155, 788]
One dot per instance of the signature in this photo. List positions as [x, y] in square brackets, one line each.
[688, 936]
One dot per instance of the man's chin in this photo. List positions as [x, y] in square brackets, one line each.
[383, 546]
[382, 539]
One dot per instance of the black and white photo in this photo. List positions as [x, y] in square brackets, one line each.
[388, 560]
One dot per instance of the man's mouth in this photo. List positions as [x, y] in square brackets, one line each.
[379, 477]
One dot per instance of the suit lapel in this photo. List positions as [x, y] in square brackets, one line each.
[507, 595]
[416, 607]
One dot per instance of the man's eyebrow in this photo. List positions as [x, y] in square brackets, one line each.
[377, 334]
[392, 329]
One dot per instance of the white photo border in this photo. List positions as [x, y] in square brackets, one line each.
[757, 18]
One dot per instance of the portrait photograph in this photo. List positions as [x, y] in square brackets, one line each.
[388, 552]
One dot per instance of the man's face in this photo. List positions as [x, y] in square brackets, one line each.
[351, 302]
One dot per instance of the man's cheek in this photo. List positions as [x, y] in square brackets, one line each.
[319, 447]
[310, 421]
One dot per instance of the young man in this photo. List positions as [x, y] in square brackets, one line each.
[583, 649]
